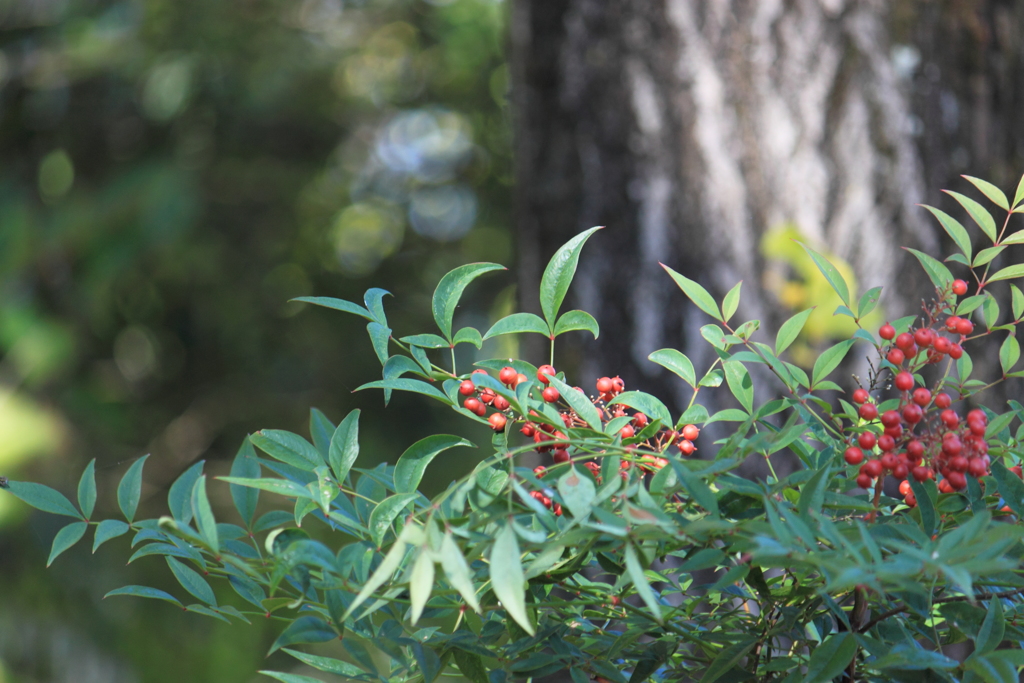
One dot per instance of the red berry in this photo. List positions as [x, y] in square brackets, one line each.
[886, 442]
[1016, 469]
[639, 421]
[543, 372]
[896, 431]
[528, 430]
[977, 468]
[959, 287]
[853, 456]
[904, 488]
[924, 337]
[955, 351]
[904, 381]
[872, 468]
[958, 463]
[951, 323]
[887, 331]
[904, 341]
[895, 356]
[500, 403]
[686, 447]
[467, 388]
[964, 327]
[890, 418]
[487, 396]
[868, 411]
[507, 375]
[605, 385]
[560, 456]
[551, 394]
[867, 440]
[922, 396]
[943, 400]
[860, 396]
[977, 414]
[949, 418]
[921, 473]
[690, 432]
[915, 449]
[957, 480]
[943, 345]
[900, 470]
[627, 432]
[497, 421]
[888, 461]
[473, 405]
[539, 470]
[952, 447]
[910, 500]
[863, 481]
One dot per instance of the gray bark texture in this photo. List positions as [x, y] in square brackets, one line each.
[692, 127]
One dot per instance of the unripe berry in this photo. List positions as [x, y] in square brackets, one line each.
[560, 455]
[886, 442]
[690, 432]
[890, 418]
[507, 375]
[467, 388]
[868, 411]
[955, 351]
[951, 323]
[686, 447]
[887, 332]
[860, 396]
[543, 372]
[500, 403]
[922, 396]
[473, 405]
[904, 381]
[853, 456]
[912, 413]
[867, 440]
[964, 327]
[949, 418]
[872, 468]
[605, 385]
[959, 287]
[551, 394]
[497, 421]
[924, 337]
[904, 341]
[943, 345]
[942, 400]
[895, 356]
[863, 481]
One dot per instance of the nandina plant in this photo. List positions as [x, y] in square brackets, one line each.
[630, 553]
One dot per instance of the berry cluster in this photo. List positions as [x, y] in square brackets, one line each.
[922, 436]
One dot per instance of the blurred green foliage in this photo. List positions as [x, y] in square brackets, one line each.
[173, 172]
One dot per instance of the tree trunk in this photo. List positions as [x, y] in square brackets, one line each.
[691, 129]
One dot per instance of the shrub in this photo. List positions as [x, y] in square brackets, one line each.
[627, 556]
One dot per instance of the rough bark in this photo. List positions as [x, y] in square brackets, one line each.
[690, 129]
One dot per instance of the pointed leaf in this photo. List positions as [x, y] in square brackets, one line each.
[385, 514]
[695, 292]
[991, 632]
[977, 212]
[108, 529]
[468, 335]
[1018, 197]
[579, 402]
[179, 498]
[413, 463]
[307, 629]
[991, 191]
[457, 571]
[829, 360]
[986, 255]
[731, 302]
[336, 304]
[191, 581]
[471, 666]
[374, 300]
[649, 405]
[729, 657]
[1014, 238]
[740, 383]
[868, 301]
[830, 272]
[449, 291]
[321, 429]
[327, 664]
[953, 228]
[1011, 488]
[345, 446]
[42, 498]
[287, 447]
[790, 330]
[404, 384]
[507, 577]
[65, 538]
[1017, 302]
[87, 489]
[1009, 353]
[677, 362]
[245, 466]
[426, 341]
[518, 323]
[831, 658]
[282, 487]
[421, 581]
[290, 678]
[144, 592]
[937, 273]
[558, 275]
[391, 562]
[1008, 273]
[643, 588]
[203, 514]
[129, 491]
[380, 336]
[577, 492]
[577, 320]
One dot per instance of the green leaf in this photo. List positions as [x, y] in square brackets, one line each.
[468, 335]
[830, 272]
[321, 429]
[108, 529]
[290, 678]
[577, 492]
[1009, 353]
[645, 403]
[790, 330]
[411, 534]
[740, 384]
[576, 320]
[471, 666]
[579, 402]
[344, 447]
[374, 300]
[87, 489]
[327, 664]
[144, 592]
[1017, 299]
[457, 571]
[380, 336]
[695, 292]
[518, 323]
[43, 498]
[831, 658]
[953, 228]
[698, 489]
[812, 494]
[868, 301]
[191, 581]
[282, 487]
[336, 304]
[1014, 238]
[1018, 197]
[1011, 488]
[413, 463]
[405, 384]
[677, 362]
[507, 579]
[991, 632]
[449, 291]
[636, 574]
[245, 466]
[559, 273]
[421, 581]
[731, 302]
[287, 447]
[986, 255]
[307, 629]
[203, 513]
[937, 273]
[991, 191]
[729, 657]
[65, 538]
[385, 513]
[179, 498]
[426, 341]
[829, 360]
[1008, 273]
[129, 491]
[994, 667]
[982, 217]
